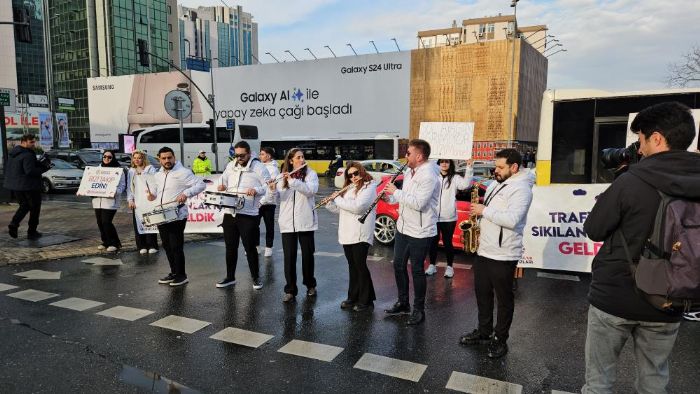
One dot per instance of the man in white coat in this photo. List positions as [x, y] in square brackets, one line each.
[174, 182]
[503, 216]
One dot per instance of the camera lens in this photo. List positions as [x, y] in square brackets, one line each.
[614, 157]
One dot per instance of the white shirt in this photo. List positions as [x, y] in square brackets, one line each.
[238, 178]
[297, 204]
[351, 206]
[271, 197]
[170, 184]
[418, 201]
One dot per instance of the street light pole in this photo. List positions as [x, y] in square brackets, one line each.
[215, 148]
[513, 4]
[48, 70]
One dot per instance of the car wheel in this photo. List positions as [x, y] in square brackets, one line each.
[46, 185]
[384, 229]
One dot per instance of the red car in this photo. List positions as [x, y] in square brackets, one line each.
[388, 214]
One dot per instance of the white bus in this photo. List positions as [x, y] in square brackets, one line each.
[197, 137]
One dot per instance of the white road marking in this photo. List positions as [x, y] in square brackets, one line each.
[77, 304]
[5, 287]
[241, 337]
[125, 313]
[39, 274]
[374, 258]
[179, 323]
[217, 243]
[573, 278]
[391, 366]
[32, 295]
[100, 261]
[313, 350]
[467, 383]
[328, 254]
[560, 392]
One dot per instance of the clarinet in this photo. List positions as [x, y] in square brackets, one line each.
[362, 218]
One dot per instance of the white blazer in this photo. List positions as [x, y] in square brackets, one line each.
[351, 206]
[297, 204]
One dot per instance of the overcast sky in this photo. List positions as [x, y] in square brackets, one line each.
[617, 45]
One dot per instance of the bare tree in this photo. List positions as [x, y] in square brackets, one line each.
[687, 71]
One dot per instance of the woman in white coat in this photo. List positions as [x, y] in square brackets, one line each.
[450, 184]
[297, 221]
[137, 184]
[356, 237]
[106, 208]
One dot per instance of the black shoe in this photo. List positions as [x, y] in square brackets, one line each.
[497, 348]
[226, 282]
[311, 292]
[475, 338]
[179, 281]
[416, 318]
[347, 304]
[12, 230]
[398, 309]
[362, 307]
[168, 279]
[34, 235]
[257, 284]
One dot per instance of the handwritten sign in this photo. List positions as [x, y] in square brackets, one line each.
[448, 140]
[100, 181]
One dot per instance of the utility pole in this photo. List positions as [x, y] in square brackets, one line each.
[513, 4]
[48, 67]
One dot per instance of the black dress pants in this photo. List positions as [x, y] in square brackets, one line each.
[267, 214]
[361, 288]
[494, 277]
[144, 241]
[445, 230]
[108, 232]
[29, 202]
[172, 235]
[244, 228]
[289, 245]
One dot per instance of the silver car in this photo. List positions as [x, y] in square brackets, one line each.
[61, 176]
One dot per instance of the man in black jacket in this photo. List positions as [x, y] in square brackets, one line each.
[617, 312]
[23, 176]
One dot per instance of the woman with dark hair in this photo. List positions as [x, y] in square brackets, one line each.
[351, 202]
[297, 221]
[106, 208]
[269, 201]
[450, 184]
[138, 185]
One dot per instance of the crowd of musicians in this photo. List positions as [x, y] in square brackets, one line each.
[427, 214]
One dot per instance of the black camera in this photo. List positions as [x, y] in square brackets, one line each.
[45, 162]
[614, 158]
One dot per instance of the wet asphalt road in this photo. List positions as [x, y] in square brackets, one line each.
[50, 349]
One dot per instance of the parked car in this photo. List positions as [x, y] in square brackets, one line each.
[388, 214]
[61, 176]
[124, 160]
[79, 158]
[377, 168]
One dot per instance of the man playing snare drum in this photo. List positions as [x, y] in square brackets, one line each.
[174, 183]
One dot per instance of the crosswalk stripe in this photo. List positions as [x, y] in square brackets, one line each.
[5, 287]
[32, 295]
[560, 392]
[390, 366]
[77, 304]
[549, 275]
[125, 313]
[313, 350]
[181, 324]
[467, 383]
[241, 337]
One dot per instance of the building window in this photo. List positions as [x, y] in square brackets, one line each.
[170, 27]
[170, 10]
[170, 45]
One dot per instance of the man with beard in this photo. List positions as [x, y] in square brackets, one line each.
[174, 182]
[244, 176]
[503, 215]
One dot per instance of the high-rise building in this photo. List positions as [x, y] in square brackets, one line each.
[30, 64]
[218, 35]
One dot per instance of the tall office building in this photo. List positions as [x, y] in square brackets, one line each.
[222, 36]
[30, 64]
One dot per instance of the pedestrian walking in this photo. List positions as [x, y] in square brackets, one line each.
[137, 185]
[105, 208]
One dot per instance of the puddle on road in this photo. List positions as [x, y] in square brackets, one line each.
[153, 382]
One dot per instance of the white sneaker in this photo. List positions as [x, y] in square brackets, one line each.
[152, 251]
[143, 251]
[692, 316]
[101, 247]
[111, 248]
[431, 270]
[268, 252]
[449, 272]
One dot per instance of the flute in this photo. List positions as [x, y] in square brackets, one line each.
[280, 176]
[332, 197]
[362, 218]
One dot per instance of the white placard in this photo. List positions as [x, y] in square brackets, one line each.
[448, 140]
[554, 237]
[100, 181]
[632, 137]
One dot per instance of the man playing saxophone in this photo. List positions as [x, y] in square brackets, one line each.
[503, 216]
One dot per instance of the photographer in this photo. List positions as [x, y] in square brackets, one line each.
[23, 177]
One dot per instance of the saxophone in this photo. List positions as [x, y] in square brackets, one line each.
[470, 227]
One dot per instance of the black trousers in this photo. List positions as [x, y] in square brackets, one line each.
[144, 241]
[29, 202]
[267, 214]
[108, 232]
[446, 230]
[494, 276]
[361, 288]
[289, 245]
[172, 235]
[416, 249]
[245, 228]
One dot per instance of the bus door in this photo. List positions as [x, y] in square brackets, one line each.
[608, 132]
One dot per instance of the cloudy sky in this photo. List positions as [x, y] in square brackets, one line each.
[611, 44]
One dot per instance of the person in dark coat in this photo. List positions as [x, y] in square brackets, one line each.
[23, 177]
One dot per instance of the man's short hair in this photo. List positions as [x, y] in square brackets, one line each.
[165, 149]
[511, 155]
[242, 144]
[27, 137]
[421, 145]
[671, 119]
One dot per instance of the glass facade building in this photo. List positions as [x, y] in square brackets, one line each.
[31, 65]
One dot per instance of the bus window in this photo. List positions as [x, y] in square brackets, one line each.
[223, 135]
[198, 135]
[169, 135]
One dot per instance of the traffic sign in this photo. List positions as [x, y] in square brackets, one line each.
[5, 99]
[178, 104]
[8, 100]
[231, 124]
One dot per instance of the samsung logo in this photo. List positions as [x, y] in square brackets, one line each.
[103, 87]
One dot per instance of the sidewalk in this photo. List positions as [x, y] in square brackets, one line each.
[67, 219]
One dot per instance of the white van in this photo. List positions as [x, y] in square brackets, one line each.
[197, 137]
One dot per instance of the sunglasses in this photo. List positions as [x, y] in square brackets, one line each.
[240, 155]
[107, 157]
[354, 173]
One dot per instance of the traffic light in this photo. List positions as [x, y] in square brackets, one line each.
[143, 52]
[212, 126]
[23, 29]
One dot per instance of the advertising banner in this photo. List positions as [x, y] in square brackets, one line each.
[100, 181]
[448, 140]
[554, 237]
[45, 130]
[63, 136]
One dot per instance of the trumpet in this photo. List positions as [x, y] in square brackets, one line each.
[280, 176]
[332, 197]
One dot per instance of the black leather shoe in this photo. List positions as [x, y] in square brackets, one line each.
[475, 338]
[416, 318]
[311, 292]
[34, 235]
[12, 230]
[347, 304]
[362, 307]
[497, 348]
[398, 309]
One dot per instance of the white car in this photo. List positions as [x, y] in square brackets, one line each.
[62, 175]
[377, 168]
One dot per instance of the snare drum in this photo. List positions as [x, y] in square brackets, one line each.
[160, 215]
[224, 200]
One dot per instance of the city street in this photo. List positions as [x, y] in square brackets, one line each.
[248, 340]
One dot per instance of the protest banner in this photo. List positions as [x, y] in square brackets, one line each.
[448, 140]
[100, 181]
